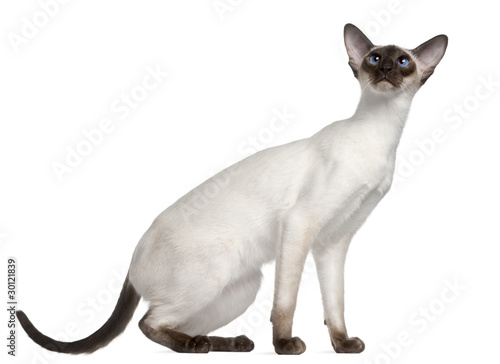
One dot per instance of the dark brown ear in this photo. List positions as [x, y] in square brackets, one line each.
[429, 54]
[357, 45]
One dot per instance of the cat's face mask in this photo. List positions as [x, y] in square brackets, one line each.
[392, 68]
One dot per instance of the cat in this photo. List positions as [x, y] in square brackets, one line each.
[201, 271]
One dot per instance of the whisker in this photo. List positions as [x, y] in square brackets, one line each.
[405, 87]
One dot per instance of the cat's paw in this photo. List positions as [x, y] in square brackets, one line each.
[242, 344]
[293, 346]
[199, 344]
[351, 345]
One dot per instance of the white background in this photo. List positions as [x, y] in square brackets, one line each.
[73, 238]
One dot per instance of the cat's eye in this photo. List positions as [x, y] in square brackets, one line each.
[403, 61]
[374, 59]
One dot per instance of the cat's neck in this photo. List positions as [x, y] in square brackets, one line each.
[393, 107]
[386, 113]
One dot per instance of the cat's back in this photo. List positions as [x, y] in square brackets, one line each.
[238, 208]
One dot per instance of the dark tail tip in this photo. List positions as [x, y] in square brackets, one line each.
[121, 316]
[36, 335]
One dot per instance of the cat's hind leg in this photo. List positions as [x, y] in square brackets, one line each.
[233, 344]
[183, 343]
[173, 339]
[230, 304]
[188, 335]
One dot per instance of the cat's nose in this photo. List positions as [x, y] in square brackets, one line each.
[386, 69]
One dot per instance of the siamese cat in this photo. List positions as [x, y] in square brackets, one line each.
[200, 272]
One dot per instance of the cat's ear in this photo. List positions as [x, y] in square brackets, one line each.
[357, 45]
[429, 54]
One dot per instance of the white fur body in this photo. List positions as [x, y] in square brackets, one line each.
[199, 264]
[201, 270]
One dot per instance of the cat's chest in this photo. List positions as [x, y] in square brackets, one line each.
[364, 163]
[365, 155]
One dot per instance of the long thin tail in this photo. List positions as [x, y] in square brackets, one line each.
[121, 316]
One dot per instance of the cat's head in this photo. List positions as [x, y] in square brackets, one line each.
[391, 68]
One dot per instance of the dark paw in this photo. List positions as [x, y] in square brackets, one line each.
[200, 344]
[293, 346]
[242, 344]
[351, 345]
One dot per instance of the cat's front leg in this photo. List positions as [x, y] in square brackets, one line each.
[330, 259]
[292, 253]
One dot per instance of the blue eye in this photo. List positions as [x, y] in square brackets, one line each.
[403, 62]
[374, 59]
